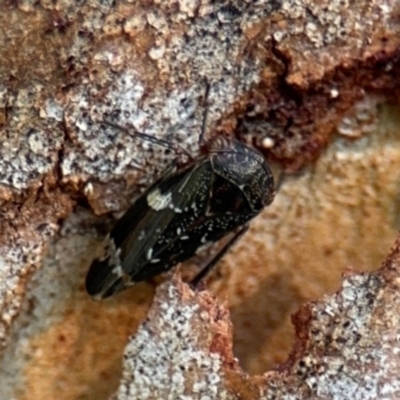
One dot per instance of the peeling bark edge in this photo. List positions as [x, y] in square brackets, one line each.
[345, 346]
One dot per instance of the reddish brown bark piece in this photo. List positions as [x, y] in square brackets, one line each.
[346, 348]
[283, 73]
[181, 349]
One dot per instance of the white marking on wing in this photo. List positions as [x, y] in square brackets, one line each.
[157, 200]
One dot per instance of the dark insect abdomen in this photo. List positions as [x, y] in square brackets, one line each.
[225, 209]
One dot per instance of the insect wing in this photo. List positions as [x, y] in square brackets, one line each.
[171, 207]
[215, 210]
[146, 228]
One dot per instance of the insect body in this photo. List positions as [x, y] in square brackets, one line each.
[186, 209]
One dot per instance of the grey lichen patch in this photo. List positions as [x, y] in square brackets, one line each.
[106, 151]
[162, 94]
[60, 328]
[49, 291]
[17, 259]
[348, 343]
[335, 32]
[30, 145]
[145, 66]
[347, 347]
[23, 242]
[348, 353]
[170, 356]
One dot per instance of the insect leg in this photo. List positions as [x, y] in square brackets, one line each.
[196, 280]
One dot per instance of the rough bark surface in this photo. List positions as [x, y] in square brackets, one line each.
[284, 76]
[346, 346]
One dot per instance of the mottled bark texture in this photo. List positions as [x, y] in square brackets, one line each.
[289, 77]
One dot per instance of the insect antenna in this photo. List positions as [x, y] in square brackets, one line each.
[161, 142]
[202, 136]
